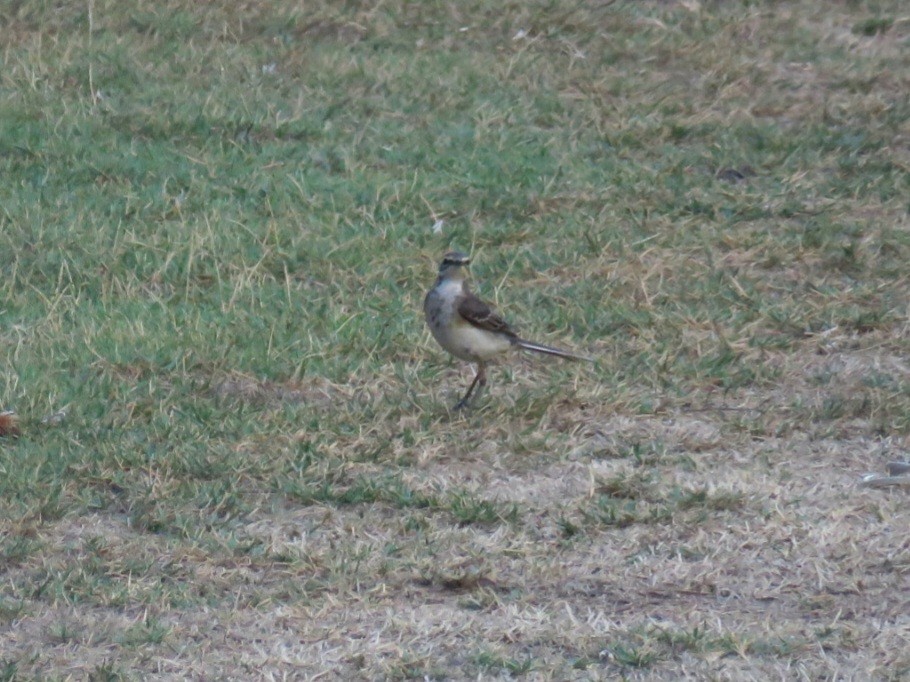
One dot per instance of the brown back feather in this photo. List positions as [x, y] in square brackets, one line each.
[482, 316]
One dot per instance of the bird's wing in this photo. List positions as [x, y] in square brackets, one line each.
[482, 316]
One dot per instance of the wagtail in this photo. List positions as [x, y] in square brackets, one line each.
[468, 328]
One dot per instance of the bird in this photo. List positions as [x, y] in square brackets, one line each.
[468, 328]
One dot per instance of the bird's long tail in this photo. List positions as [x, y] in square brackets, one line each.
[549, 350]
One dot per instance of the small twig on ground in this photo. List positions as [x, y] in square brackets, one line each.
[898, 474]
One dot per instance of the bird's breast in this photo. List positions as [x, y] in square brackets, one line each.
[455, 334]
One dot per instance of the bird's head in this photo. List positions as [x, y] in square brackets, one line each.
[453, 263]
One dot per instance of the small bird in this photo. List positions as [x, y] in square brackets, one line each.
[468, 328]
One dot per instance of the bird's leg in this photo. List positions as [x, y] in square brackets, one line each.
[481, 379]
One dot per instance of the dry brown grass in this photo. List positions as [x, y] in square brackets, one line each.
[779, 567]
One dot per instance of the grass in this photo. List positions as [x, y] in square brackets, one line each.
[237, 454]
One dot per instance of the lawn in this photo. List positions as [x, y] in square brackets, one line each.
[236, 454]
